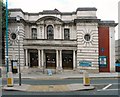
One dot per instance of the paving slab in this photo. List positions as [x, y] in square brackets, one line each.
[49, 88]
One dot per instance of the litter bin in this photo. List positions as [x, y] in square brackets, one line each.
[14, 66]
[117, 67]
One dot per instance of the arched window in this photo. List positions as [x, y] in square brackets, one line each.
[50, 32]
[34, 33]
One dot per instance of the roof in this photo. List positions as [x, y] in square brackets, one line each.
[86, 9]
[108, 23]
[55, 11]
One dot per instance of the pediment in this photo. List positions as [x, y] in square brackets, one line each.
[49, 20]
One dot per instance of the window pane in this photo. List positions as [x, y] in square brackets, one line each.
[50, 33]
[34, 33]
[66, 34]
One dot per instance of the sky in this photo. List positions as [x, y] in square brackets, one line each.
[106, 9]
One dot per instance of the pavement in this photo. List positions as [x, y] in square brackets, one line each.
[36, 73]
[67, 75]
[48, 88]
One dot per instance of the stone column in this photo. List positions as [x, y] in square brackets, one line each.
[26, 55]
[39, 58]
[38, 32]
[61, 59]
[74, 65]
[42, 56]
[57, 59]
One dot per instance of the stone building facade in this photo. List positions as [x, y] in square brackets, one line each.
[62, 40]
[117, 42]
[117, 49]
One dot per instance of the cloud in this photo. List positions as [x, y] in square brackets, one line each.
[107, 9]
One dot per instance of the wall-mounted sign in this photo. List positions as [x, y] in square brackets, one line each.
[85, 63]
[102, 61]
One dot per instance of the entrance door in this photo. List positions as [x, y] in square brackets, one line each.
[50, 60]
[33, 59]
[67, 61]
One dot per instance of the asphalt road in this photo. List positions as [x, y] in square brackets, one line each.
[103, 86]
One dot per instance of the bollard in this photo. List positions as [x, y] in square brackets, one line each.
[10, 79]
[86, 79]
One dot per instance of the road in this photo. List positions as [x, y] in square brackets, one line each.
[103, 86]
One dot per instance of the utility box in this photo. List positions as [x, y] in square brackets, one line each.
[14, 66]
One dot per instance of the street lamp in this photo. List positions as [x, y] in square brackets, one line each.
[18, 20]
[7, 63]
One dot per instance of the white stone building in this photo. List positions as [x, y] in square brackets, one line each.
[117, 44]
[117, 49]
[62, 40]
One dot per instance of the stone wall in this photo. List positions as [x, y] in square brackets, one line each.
[87, 50]
[13, 53]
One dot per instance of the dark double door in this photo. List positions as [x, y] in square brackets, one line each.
[33, 59]
[50, 60]
[67, 61]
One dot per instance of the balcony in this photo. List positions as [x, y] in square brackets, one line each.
[46, 42]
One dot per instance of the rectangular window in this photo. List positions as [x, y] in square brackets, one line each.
[34, 33]
[66, 34]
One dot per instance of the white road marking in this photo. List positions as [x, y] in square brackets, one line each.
[107, 87]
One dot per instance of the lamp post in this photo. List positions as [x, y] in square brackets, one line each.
[7, 36]
[18, 20]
